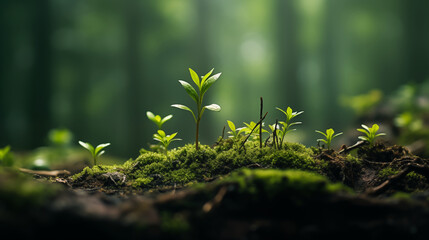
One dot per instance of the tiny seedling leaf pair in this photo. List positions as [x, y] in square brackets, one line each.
[165, 139]
[95, 152]
[370, 133]
[329, 135]
[203, 85]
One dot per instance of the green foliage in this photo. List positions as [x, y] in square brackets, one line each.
[6, 157]
[60, 137]
[370, 133]
[203, 86]
[158, 120]
[235, 132]
[329, 135]
[282, 131]
[95, 152]
[361, 104]
[164, 139]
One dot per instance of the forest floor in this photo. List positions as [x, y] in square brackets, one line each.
[381, 192]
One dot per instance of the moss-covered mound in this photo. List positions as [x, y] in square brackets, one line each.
[184, 165]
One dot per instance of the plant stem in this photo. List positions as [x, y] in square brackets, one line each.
[275, 137]
[260, 127]
[197, 133]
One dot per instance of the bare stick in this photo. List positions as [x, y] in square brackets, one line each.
[257, 124]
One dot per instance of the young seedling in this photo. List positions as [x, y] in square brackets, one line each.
[95, 152]
[165, 139]
[286, 125]
[157, 119]
[370, 133]
[203, 86]
[235, 132]
[329, 135]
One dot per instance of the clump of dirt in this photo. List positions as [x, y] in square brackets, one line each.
[377, 169]
[382, 153]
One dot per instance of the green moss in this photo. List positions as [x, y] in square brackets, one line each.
[415, 182]
[182, 176]
[272, 182]
[184, 165]
[387, 172]
[96, 171]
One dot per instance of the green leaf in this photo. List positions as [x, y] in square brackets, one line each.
[190, 90]
[213, 107]
[363, 138]
[366, 128]
[183, 107]
[161, 133]
[338, 134]
[195, 78]
[207, 84]
[329, 133]
[100, 147]
[150, 115]
[231, 125]
[289, 113]
[166, 118]
[88, 146]
[206, 76]
[321, 133]
[363, 131]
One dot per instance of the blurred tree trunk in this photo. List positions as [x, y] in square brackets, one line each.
[133, 28]
[39, 86]
[288, 55]
[416, 22]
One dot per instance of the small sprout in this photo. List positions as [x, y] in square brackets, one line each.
[157, 119]
[371, 133]
[95, 152]
[164, 139]
[286, 125]
[235, 132]
[329, 135]
[203, 86]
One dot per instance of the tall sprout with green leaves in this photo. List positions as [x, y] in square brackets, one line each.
[370, 133]
[95, 152]
[158, 120]
[203, 85]
[329, 135]
[287, 124]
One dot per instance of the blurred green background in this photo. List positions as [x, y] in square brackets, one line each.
[95, 67]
